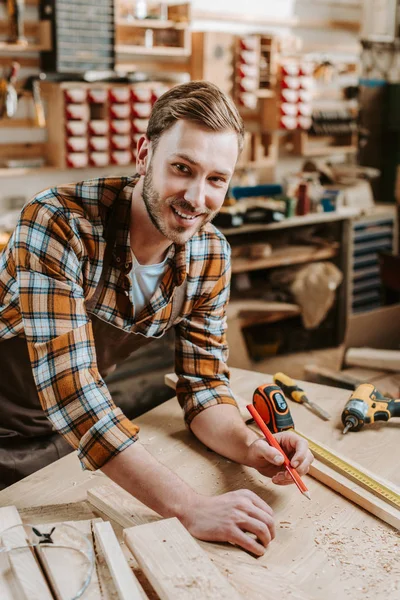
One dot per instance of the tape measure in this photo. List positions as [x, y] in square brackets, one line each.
[355, 474]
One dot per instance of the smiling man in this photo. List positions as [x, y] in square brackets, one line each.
[97, 269]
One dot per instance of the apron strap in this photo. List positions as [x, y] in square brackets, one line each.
[110, 237]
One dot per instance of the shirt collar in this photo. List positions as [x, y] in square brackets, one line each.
[178, 254]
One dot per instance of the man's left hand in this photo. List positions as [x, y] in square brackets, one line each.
[269, 462]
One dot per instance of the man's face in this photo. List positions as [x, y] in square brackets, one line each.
[187, 177]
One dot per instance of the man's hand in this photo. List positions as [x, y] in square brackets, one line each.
[268, 461]
[229, 517]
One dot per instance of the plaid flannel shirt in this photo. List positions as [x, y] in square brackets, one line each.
[51, 267]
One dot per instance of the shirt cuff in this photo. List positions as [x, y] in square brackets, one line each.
[106, 438]
[202, 399]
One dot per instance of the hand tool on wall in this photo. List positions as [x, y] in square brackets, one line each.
[367, 405]
[32, 85]
[8, 93]
[273, 442]
[16, 9]
[295, 393]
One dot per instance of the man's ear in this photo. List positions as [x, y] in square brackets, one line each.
[142, 154]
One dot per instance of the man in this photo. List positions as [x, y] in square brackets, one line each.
[96, 269]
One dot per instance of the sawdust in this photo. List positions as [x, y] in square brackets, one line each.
[366, 553]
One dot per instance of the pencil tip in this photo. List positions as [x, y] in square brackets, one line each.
[307, 495]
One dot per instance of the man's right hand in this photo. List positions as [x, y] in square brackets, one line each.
[225, 518]
[229, 518]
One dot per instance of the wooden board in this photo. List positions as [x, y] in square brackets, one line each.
[175, 564]
[125, 581]
[24, 574]
[373, 358]
[352, 491]
[116, 504]
[66, 569]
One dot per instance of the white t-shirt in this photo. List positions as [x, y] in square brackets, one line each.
[145, 280]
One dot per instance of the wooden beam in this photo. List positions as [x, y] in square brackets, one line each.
[118, 505]
[174, 563]
[24, 61]
[388, 360]
[352, 491]
[29, 579]
[295, 22]
[125, 581]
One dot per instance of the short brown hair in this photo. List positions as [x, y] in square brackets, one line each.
[199, 101]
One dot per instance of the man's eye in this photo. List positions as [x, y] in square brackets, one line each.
[181, 168]
[218, 179]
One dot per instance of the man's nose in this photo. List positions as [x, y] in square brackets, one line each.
[196, 193]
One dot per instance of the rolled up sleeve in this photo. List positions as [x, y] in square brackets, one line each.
[201, 351]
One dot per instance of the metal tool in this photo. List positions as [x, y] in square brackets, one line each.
[8, 93]
[367, 405]
[272, 407]
[15, 9]
[295, 393]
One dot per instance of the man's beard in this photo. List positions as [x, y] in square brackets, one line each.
[154, 208]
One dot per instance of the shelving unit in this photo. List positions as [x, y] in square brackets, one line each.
[284, 237]
[370, 235]
[289, 255]
[170, 37]
[308, 145]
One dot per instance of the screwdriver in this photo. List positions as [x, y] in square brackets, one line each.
[295, 393]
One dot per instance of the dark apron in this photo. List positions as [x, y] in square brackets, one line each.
[28, 441]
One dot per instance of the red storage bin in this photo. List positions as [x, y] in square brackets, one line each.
[75, 95]
[99, 127]
[120, 126]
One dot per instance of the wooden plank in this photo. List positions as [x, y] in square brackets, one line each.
[118, 505]
[23, 150]
[29, 579]
[125, 581]
[175, 564]
[373, 358]
[352, 491]
[66, 569]
[287, 255]
[24, 61]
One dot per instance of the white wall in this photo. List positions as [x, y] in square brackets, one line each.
[285, 12]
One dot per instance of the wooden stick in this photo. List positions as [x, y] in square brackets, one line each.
[28, 578]
[125, 581]
[174, 563]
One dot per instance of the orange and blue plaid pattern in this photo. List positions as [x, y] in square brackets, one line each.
[51, 268]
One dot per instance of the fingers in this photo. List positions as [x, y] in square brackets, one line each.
[292, 443]
[258, 502]
[239, 538]
[264, 521]
[269, 453]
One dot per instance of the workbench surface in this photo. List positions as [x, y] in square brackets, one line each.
[326, 549]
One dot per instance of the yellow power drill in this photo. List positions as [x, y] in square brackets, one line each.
[367, 405]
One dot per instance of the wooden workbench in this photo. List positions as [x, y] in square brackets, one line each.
[325, 549]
